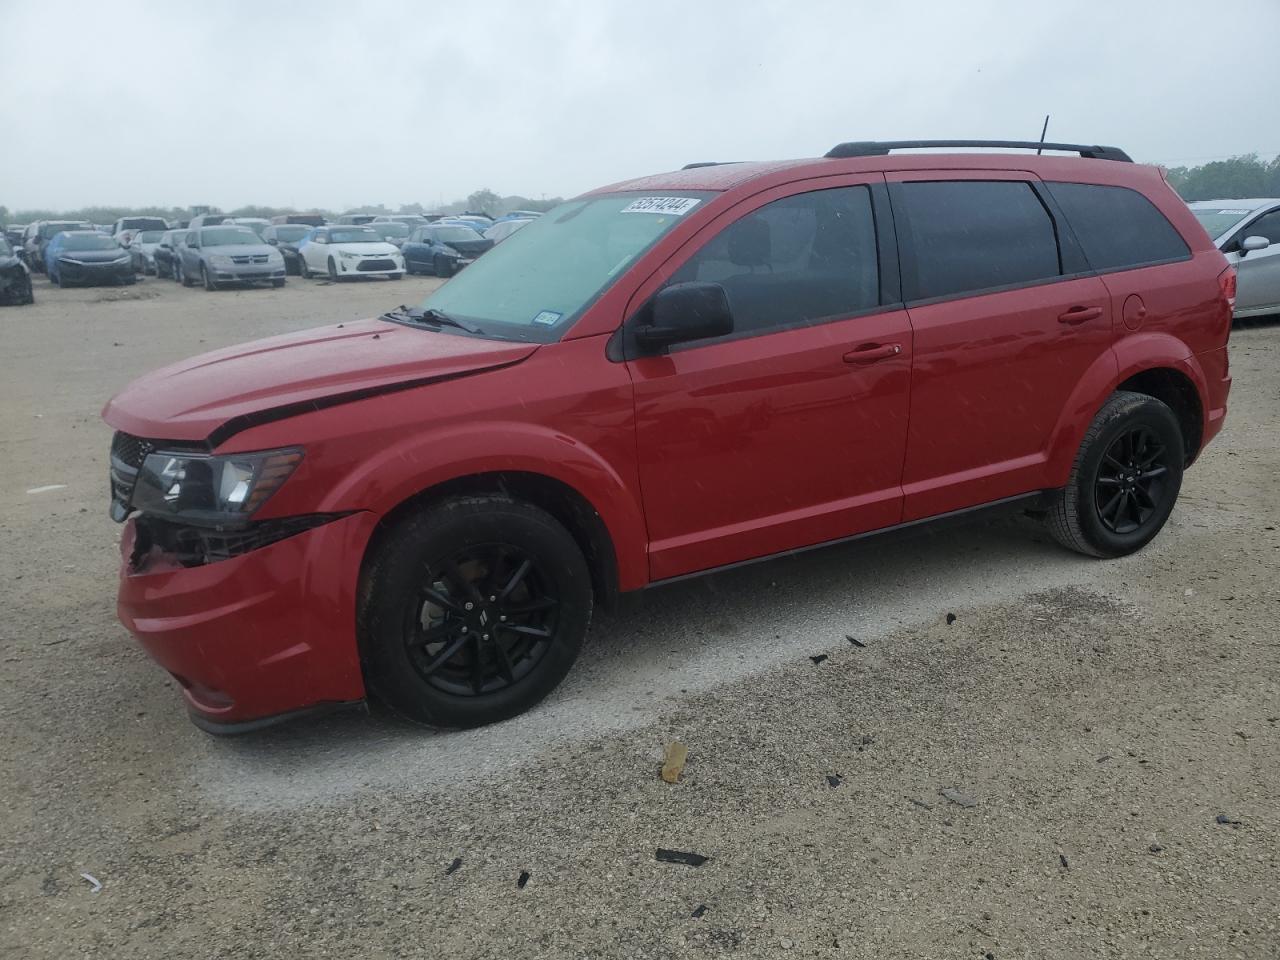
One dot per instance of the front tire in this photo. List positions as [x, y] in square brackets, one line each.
[333, 271]
[204, 278]
[277, 284]
[472, 610]
[442, 267]
[185, 280]
[1125, 479]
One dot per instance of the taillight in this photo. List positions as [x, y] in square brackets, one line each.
[1227, 286]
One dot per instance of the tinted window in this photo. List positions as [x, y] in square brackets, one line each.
[973, 235]
[1117, 227]
[794, 260]
[1268, 225]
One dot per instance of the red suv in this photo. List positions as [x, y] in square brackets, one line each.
[661, 378]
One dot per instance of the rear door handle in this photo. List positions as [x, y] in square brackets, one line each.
[871, 352]
[1080, 315]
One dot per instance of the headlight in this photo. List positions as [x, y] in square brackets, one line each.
[348, 255]
[217, 260]
[450, 252]
[211, 490]
[124, 258]
[273, 255]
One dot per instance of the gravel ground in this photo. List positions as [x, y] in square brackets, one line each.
[1095, 719]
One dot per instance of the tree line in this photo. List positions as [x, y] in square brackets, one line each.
[481, 201]
[1244, 176]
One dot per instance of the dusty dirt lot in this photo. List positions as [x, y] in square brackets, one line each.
[1102, 716]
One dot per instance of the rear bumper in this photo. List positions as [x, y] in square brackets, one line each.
[267, 633]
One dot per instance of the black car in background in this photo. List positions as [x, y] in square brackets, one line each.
[88, 257]
[15, 278]
[166, 254]
[442, 249]
[285, 238]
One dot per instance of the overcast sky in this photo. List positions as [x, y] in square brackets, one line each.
[331, 105]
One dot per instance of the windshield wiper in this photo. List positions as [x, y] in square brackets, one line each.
[433, 316]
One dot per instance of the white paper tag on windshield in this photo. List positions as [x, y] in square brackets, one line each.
[548, 318]
[676, 206]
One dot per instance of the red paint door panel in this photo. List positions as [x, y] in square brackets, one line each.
[992, 375]
[759, 445]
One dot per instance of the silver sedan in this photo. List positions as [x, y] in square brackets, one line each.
[1248, 232]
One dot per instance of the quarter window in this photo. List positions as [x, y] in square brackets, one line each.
[972, 235]
[1118, 227]
[796, 260]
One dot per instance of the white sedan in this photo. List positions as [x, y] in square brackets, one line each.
[342, 251]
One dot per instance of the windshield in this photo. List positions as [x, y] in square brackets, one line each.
[591, 242]
[290, 234]
[227, 236]
[354, 235]
[456, 234]
[149, 236]
[88, 241]
[388, 230]
[52, 229]
[257, 226]
[1218, 220]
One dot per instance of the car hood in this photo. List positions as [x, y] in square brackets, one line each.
[92, 256]
[378, 248]
[479, 245]
[212, 396]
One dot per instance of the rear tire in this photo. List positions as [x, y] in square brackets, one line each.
[1125, 479]
[472, 610]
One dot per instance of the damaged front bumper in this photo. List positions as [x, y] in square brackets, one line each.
[251, 635]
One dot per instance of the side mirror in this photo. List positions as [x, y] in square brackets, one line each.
[1253, 243]
[686, 311]
[273, 241]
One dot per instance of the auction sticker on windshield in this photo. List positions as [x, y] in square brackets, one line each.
[676, 206]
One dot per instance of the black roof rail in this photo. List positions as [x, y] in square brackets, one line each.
[707, 163]
[880, 148]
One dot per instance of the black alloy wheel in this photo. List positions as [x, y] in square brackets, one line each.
[1131, 479]
[472, 610]
[483, 620]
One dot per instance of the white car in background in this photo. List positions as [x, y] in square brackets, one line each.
[256, 224]
[345, 251]
[505, 228]
[142, 247]
[1248, 232]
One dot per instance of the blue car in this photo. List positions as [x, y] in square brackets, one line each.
[442, 248]
[87, 256]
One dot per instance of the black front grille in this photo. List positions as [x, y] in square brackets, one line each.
[127, 455]
[129, 450]
[376, 265]
[255, 258]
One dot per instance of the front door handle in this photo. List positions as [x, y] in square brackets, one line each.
[1080, 315]
[871, 352]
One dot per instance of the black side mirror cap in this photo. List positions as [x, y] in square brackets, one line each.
[695, 310]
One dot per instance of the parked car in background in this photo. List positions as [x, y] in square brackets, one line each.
[15, 276]
[659, 379]
[124, 228]
[87, 257]
[37, 237]
[224, 254]
[166, 252]
[345, 251]
[355, 218]
[207, 220]
[256, 224]
[506, 227]
[410, 220]
[13, 233]
[392, 231]
[479, 222]
[285, 237]
[1248, 232]
[519, 215]
[142, 246]
[443, 248]
[310, 219]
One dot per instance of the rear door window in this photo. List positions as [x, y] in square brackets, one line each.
[974, 235]
[794, 261]
[1118, 228]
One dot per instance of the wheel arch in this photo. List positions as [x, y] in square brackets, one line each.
[1176, 390]
[565, 503]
